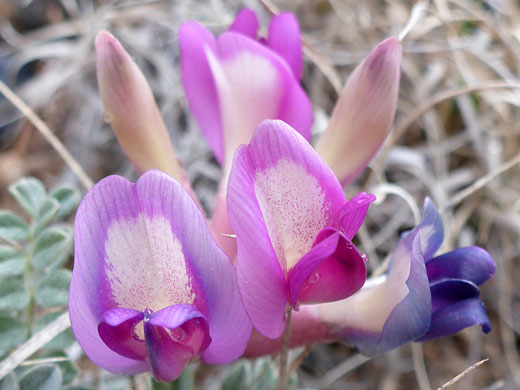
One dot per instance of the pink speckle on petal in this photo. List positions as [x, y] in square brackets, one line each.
[294, 208]
[145, 265]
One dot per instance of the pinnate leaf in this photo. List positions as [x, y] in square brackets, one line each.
[30, 193]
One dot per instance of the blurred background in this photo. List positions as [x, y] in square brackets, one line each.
[456, 139]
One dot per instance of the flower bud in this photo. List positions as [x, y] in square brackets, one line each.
[363, 115]
[131, 110]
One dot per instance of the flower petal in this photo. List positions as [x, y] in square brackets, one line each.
[284, 38]
[85, 327]
[430, 229]
[456, 317]
[253, 83]
[448, 292]
[353, 214]
[471, 263]
[228, 323]
[233, 83]
[245, 23]
[88, 298]
[395, 312]
[260, 278]
[298, 195]
[199, 85]
[278, 179]
[174, 335]
[116, 329]
[332, 270]
[148, 246]
[363, 115]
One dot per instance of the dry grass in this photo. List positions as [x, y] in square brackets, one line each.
[457, 122]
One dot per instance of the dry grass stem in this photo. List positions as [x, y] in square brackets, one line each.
[34, 344]
[462, 374]
[47, 134]
[420, 367]
[482, 182]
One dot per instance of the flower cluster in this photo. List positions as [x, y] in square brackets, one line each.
[155, 285]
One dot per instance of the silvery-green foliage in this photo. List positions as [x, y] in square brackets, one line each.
[259, 374]
[42, 377]
[34, 284]
[185, 382]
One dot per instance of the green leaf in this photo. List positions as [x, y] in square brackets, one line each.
[162, 385]
[52, 247]
[68, 369]
[265, 374]
[61, 341]
[114, 382]
[293, 381]
[30, 193]
[12, 334]
[54, 291]
[76, 388]
[12, 227]
[44, 377]
[13, 295]
[10, 382]
[68, 198]
[12, 262]
[238, 377]
[46, 213]
[185, 382]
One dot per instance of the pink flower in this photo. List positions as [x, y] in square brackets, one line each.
[234, 82]
[422, 297]
[293, 227]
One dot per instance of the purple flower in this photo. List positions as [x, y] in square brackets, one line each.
[423, 296]
[293, 227]
[234, 82]
[284, 36]
[150, 288]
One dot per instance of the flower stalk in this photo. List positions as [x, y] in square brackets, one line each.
[283, 367]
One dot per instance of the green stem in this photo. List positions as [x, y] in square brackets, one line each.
[30, 287]
[283, 368]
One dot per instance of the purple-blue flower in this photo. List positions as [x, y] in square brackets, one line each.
[293, 227]
[423, 296]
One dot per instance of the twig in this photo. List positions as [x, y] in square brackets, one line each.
[420, 367]
[32, 345]
[140, 381]
[482, 182]
[462, 374]
[324, 67]
[295, 364]
[344, 368]
[32, 362]
[381, 190]
[418, 12]
[47, 134]
[439, 98]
